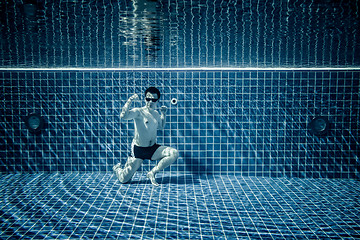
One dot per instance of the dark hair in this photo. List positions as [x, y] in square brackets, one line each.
[153, 90]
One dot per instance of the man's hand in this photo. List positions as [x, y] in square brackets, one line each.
[125, 111]
[134, 97]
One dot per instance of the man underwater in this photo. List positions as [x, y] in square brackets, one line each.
[147, 121]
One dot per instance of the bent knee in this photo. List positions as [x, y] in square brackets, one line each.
[124, 179]
[121, 179]
[175, 153]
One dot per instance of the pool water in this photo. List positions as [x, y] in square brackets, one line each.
[251, 78]
[180, 33]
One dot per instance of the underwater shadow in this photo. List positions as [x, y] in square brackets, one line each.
[178, 179]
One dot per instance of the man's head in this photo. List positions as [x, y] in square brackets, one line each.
[152, 95]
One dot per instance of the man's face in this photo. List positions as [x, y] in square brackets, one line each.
[149, 99]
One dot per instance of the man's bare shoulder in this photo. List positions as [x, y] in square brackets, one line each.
[136, 109]
[135, 112]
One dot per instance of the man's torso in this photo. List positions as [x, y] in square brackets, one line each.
[146, 125]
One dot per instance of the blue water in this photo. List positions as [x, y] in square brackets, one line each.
[250, 166]
[180, 33]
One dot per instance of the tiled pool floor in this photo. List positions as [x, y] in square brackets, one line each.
[96, 205]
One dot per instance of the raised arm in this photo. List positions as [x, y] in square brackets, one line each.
[127, 114]
[163, 111]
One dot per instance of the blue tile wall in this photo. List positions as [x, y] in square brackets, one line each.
[253, 123]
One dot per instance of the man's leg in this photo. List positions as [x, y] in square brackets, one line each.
[167, 156]
[124, 175]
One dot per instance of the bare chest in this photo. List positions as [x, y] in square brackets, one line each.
[148, 120]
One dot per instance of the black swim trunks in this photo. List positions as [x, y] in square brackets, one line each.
[144, 152]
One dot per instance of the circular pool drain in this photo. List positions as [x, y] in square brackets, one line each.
[34, 122]
[319, 126]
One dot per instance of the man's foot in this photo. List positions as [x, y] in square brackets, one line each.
[116, 166]
[118, 173]
[151, 176]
